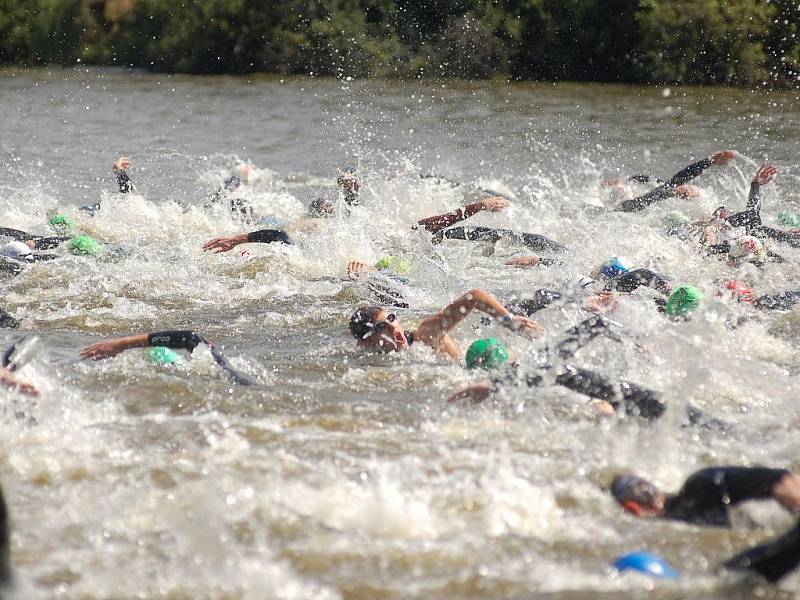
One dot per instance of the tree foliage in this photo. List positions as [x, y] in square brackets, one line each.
[735, 42]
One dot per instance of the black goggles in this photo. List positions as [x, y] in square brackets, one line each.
[381, 325]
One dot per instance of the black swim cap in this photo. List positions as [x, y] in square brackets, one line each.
[630, 487]
[363, 320]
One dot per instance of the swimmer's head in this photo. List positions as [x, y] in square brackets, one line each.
[737, 291]
[615, 266]
[675, 219]
[747, 249]
[638, 496]
[245, 172]
[721, 213]
[16, 250]
[377, 329]
[789, 218]
[486, 353]
[321, 208]
[161, 356]
[683, 300]
[348, 180]
[85, 245]
[392, 263]
[62, 223]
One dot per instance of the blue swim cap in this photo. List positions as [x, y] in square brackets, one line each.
[646, 563]
[615, 266]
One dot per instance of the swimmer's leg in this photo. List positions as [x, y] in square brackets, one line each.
[772, 560]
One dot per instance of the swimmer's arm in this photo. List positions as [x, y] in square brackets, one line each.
[763, 176]
[8, 380]
[695, 169]
[263, 236]
[16, 234]
[433, 328]
[182, 339]
[732, 485]
[439, 222]
[124, 182]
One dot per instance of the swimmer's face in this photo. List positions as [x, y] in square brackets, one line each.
[348, 182]
[245, 172]
[386, 335]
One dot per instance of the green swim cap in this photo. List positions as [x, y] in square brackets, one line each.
[676, 218]
[392, 263]
[486, 353]
[161, 356]
[684, 299]
[789, 217]
[84, 244]
[62, 222]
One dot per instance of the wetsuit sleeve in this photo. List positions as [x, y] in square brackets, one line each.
[783, 301]
[706, 495]
[644, 179]
[268, 236]
[124, 182]
[47, 243]
[662, 192]
[542, 298]
[15, 234]
[772, 560]
[580, 335]
[184, 339]
[637, 401]
[687, 174]
[439, 222]
[628, 282]
[488, 234]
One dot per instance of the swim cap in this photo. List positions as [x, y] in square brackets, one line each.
[392, 263]
[738, 291]
[18, 250]
[486, 353]
[684, 299]
[646, 563]
[789, 217]
[615, 266]
[84, 244]
[675, 219]
[161, 356]
[748, 248]
[62, 223]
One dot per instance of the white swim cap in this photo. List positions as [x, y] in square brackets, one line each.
[18, 250]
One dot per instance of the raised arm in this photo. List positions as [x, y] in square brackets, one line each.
[433, 328]
[120, 168]
[181, 339]
[686, 174]
[438, 222]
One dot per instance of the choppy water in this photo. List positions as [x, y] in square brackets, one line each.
[344, 475]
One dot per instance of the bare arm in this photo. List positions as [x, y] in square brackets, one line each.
[431, 330]
[439, 222]
[113, 347]
[8, 380]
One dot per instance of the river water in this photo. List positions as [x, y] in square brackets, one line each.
[343, 474]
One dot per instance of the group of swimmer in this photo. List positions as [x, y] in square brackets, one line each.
[735, 237]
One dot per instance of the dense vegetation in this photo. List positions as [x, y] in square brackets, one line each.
[736, 42]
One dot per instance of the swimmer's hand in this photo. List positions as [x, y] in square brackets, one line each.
[687, 191]
[7, 379]
[223, 244]
[524, 261]
[102, 350]
[356, 269]
[525, 326]
[723, 157]
[493, 203]
[603, 408]
[787, 492]
[765, 174]
[437, 237]
[477, 392]
[122, 164]
[602, 302]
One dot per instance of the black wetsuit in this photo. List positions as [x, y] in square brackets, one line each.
[782, 301]
[750, 219]
[706, 496]
[268, 236]
[489, 234]
[7, 321]
[39, 242]
[189, 340]
[627, 282]
[666, 189]
[238, 206]
[772, 560]
[124, 185]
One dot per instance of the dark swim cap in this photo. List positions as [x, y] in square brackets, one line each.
[684, 299]
[486, 353]
[630, 487]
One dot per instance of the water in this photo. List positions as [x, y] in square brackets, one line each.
[345, 475]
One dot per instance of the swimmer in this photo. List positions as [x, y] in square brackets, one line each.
[375, 328]
[182, 339]
[243, 173]
[532, 241]
[8, 365]
[739, 291]
[124, 183]
[675, 185]
[707, 495]
[436, 223]
[382, 279]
